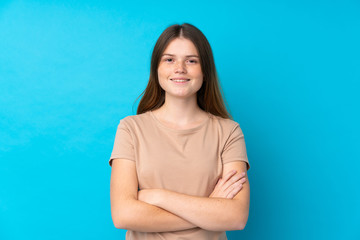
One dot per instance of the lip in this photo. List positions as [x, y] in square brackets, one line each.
[179, 78]
[180, 83]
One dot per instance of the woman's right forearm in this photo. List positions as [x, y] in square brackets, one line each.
[143, 217]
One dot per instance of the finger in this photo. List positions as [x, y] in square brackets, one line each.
[221, 190]
[217, 187]
[234, 190]
[233, 180]
[242, 180]
[231, 185]
[228, 176]
[231, 194]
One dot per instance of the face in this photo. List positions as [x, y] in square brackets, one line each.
[179, 70]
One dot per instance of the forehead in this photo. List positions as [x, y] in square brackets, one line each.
[181, 47]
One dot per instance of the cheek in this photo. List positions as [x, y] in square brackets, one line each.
[201, 79]
[200, 76]
[200, 83]
[198, 72]
[161, 77]
[162, 70]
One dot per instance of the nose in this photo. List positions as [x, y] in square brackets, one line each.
[180, 67]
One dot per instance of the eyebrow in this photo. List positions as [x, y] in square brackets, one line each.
[185, 56]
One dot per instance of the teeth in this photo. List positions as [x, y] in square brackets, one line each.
[180, 80]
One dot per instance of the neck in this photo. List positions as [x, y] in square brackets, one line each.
[180, 110]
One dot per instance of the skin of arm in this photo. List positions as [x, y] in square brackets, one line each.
[129, 213]
[214, 214]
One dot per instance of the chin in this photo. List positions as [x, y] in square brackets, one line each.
[181, 95]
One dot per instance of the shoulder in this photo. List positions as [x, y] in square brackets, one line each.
[133, 121]
[225, 124]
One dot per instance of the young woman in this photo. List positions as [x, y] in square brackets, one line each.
[179, 166]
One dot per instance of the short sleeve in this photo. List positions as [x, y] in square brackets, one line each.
[235, 149]
[123, 144]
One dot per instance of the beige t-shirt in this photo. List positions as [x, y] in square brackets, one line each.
[186, 161]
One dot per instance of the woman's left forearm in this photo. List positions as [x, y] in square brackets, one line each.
[214, 214]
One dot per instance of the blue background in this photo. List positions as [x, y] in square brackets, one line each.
[70, 70]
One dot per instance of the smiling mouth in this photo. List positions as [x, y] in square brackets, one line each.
[179, 80]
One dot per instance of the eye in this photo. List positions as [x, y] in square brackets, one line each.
[168, 59]
[192, 61]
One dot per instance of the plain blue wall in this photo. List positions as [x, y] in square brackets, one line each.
[70, 70]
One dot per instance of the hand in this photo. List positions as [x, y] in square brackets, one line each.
[229, 186]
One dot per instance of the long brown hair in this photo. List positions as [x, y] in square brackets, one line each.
[209, 96]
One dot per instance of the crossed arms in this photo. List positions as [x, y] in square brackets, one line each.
[160, 210]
